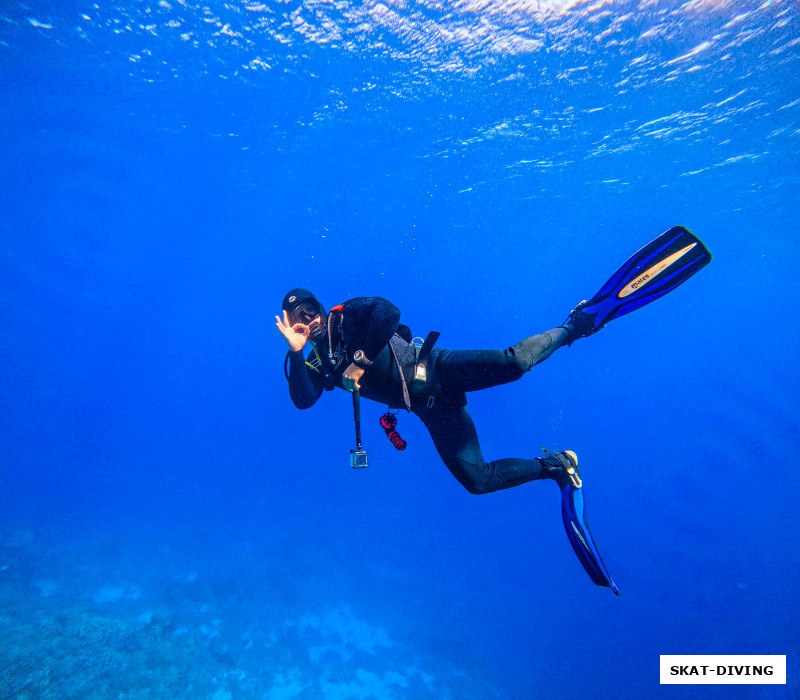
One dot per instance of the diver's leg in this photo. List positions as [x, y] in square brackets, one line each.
[456, 441]
[460, 371]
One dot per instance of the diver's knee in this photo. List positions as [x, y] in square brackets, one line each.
[476, 485]
[519, 366]
[476, 476]
[477, 489]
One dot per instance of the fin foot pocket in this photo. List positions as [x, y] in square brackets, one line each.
[562, 467]
[579, 324]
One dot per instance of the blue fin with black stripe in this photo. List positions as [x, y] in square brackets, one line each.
[650, 273]
[573, 513]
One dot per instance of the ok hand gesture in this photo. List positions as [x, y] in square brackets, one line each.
[296, 335]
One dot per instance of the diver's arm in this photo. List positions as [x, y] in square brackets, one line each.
[370, 323]
[303, 391]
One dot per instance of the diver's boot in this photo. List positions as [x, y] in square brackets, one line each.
[561, 467]
[579, 324]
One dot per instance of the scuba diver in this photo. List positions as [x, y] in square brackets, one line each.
[362, 347]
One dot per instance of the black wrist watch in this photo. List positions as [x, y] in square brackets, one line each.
[360, 360]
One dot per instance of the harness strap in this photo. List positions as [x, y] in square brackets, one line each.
[402, 348]
[392, 346]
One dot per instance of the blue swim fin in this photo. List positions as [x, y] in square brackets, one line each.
[650, 273]
[573, 513]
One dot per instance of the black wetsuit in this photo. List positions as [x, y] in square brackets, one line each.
[369, 324]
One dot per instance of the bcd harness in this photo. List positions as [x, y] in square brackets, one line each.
[411, 358]
[416, 356]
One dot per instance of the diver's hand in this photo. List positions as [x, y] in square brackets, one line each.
[351, 376]
[296, 335]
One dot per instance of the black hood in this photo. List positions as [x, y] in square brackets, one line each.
[297, 296]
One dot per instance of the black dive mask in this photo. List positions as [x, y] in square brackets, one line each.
[308, 313]
[304, 313]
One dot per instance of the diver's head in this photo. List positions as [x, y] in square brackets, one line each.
[303, 307]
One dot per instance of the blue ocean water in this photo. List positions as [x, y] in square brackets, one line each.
[172, 527]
